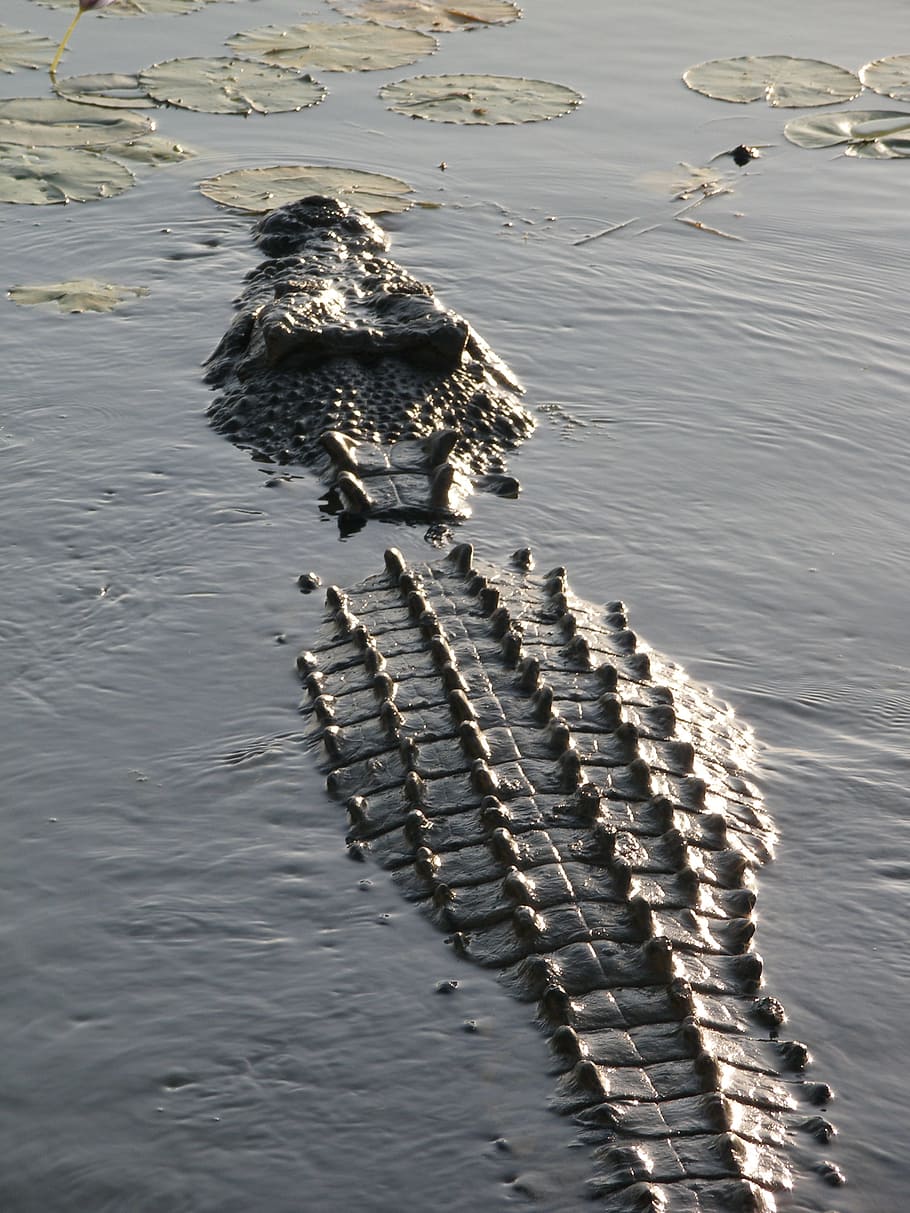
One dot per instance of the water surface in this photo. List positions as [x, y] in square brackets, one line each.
[208, 1007]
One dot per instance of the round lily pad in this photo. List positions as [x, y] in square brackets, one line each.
[890, 77]
[153, 150]
[878, 134]
[479, 100]
[54, 122]
[440, 16]
[40, 176]
[262, 189]
[347, 46]
[21, 48]
[78, 295]
[138, 8]
[780, 79]
[230, 86]
[111, 89]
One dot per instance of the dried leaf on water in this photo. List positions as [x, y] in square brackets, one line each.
[46, 122]
[111, 89]
[876, 134]
[42, 176]
[479, 100]
[780, 79]
[345, 46]
[78, 295]
[436, 15]
[262, 189]
[687, 181]
[22, 48]
[230, 86]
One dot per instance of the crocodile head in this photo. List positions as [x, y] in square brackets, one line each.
[341, 360]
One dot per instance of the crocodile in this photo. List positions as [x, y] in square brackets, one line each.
[579, 818]
[566, 805]
[340, 360]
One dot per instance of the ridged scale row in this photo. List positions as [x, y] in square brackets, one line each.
[573, 812]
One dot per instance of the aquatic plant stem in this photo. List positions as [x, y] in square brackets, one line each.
[52, 70]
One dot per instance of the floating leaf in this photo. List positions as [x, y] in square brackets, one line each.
[780, 79]
[687, 181]
[440, 16]
[153, 149]
[21, 48]
[230, 86]
[349, 46]
[877, 134]
[479, 100]
[262, 189]
[890, 77]
[80, 295]
[40, 176]
[138, 8]
[111, 89]
[53, 122]
[894, 147]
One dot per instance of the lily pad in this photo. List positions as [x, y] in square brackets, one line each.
[347, 46]
[138, 8]
[894, 147]
[21, 48]
[479, 100]
[153, 150]
[54, 122]
[230, 86]
[440, 16]
[687, 181]
[877, 134]
[262, 189]
[780, 79]
[890, 77]
[41, 176]
[110, 89]
[79, 295]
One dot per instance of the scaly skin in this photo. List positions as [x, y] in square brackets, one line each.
[572, 811]
[341, 360]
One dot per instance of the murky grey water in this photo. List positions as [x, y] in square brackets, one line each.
[207, 1007]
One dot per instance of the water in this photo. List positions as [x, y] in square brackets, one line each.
[208, 1007]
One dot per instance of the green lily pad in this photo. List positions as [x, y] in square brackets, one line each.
[230, 86]
[79, 295]
[42, 176]
[779, 79]
[153, 150]
[21, 48]
[53, 122]
[110, 89]
[347, 46]
[262, 189]
[890, 77]
[440, 16]
[137, 8]
[479, 100]
[876, 134]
